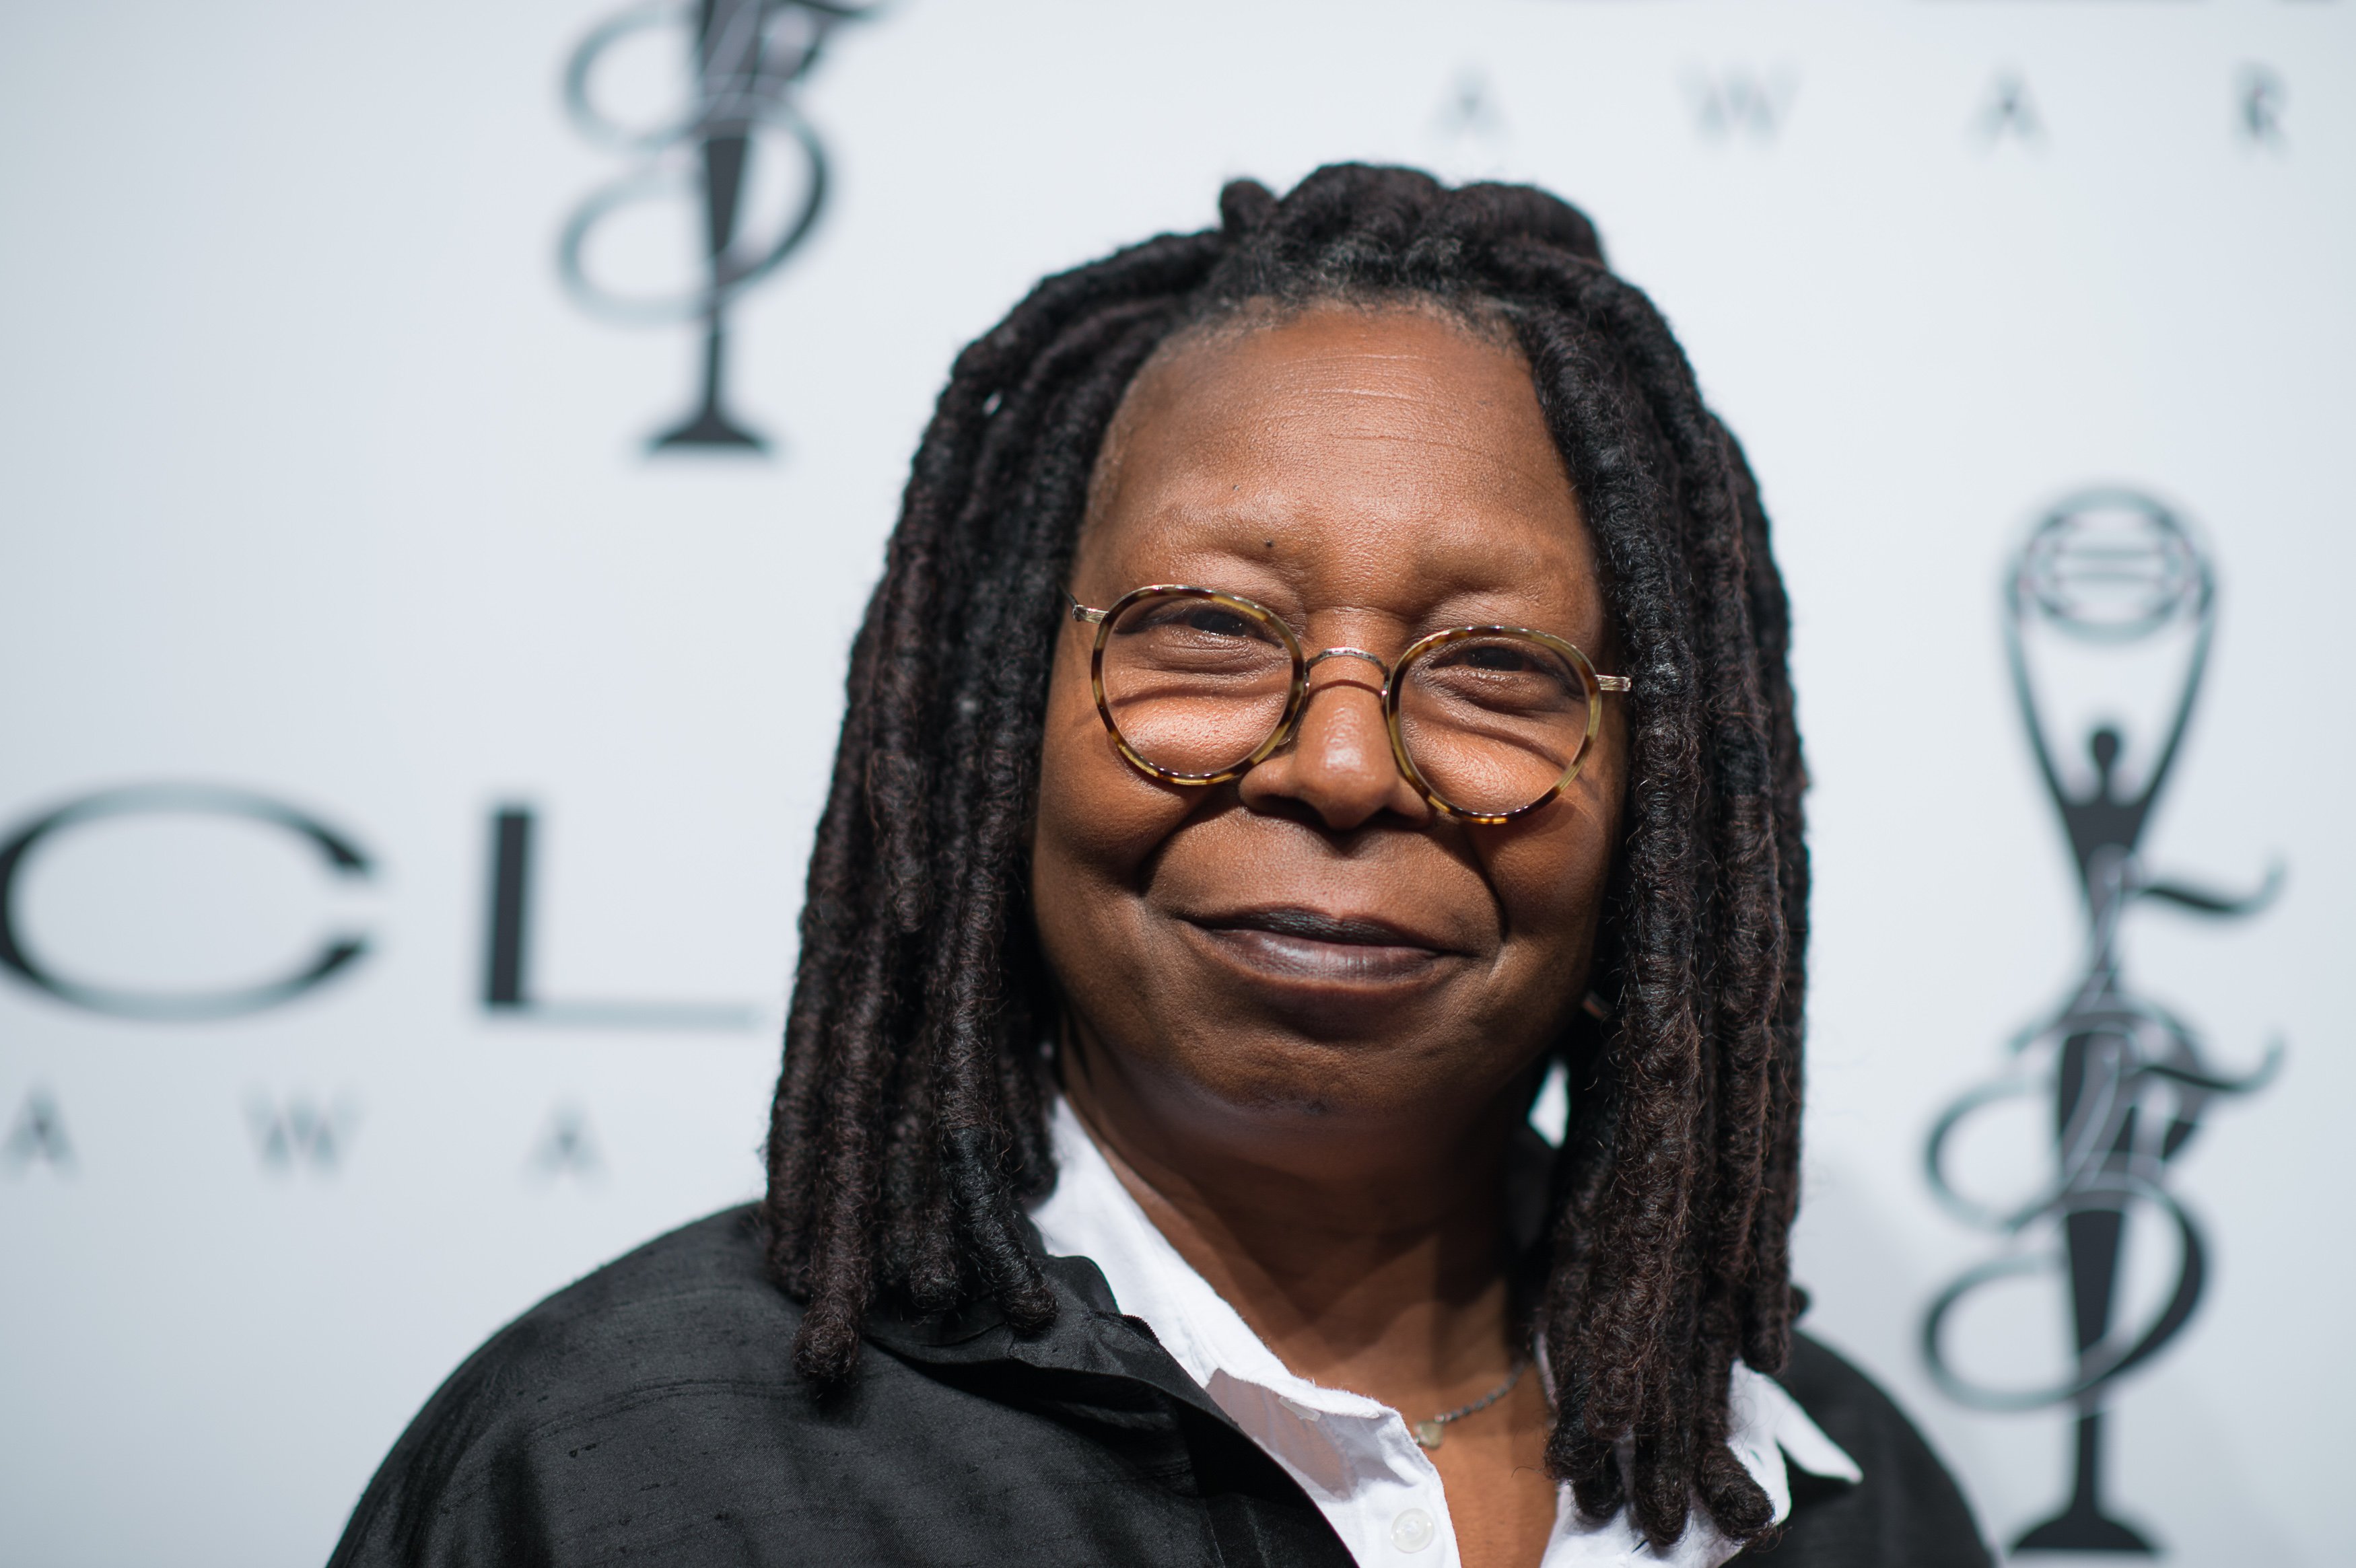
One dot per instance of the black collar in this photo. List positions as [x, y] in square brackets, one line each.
[1089, 1336]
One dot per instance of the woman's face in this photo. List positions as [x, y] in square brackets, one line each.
[1311, 952]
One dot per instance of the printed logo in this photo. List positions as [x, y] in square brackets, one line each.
[2109, 609]
[300, 1135]
[38, 1136]
[2009, 113]
[738, 143]
[1470, 109]
[2259, 101]
[564, 1146]
[508, 992]
[1742, 104]
[334, 955]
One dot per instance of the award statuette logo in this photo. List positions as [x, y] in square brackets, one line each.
[2110, 601]
[738, 139]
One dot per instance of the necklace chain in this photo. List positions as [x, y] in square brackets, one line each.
[1428, 1433]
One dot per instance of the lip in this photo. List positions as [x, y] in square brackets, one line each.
[1299, 946]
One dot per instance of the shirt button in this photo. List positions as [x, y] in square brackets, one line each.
[1412, 1530]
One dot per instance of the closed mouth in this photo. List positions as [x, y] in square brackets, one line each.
[1310, 946]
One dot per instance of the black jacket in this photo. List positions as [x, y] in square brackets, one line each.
[650, 1413]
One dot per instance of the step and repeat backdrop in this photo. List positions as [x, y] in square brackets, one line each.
[444, 449]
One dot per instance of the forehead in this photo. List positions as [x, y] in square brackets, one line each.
[1340, 441]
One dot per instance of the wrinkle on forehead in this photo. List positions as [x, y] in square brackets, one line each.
[1344, 370]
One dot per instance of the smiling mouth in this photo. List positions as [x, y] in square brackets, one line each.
[1306, 945]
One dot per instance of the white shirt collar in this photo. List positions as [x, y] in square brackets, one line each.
[1354, 1456]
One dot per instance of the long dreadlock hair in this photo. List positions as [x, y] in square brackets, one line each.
[909, 1127]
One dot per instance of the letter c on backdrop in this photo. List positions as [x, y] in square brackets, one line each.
[337, 953]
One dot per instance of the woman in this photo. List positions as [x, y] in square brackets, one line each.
[1328, 670]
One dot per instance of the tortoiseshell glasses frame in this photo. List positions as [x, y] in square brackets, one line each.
[1593, 686]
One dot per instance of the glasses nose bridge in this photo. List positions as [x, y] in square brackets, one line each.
[1345, 651]
[1380, 692]
[1289, 735]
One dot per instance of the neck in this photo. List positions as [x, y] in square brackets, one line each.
[1374, 1259]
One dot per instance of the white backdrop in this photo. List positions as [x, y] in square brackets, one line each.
[315, 483]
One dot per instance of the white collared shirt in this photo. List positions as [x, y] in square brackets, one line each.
[1354, 1456]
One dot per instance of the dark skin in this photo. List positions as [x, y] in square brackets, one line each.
[1303, 1009]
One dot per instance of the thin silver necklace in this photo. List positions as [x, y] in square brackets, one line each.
[1430, 1432]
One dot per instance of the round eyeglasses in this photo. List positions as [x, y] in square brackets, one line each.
[1487, 722]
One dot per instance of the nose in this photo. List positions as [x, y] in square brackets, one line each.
[1338, 763]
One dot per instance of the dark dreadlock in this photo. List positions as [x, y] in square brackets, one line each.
[910, 1124]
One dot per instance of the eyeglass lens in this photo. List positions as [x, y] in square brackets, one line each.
[1492, 723]
[1195, 686]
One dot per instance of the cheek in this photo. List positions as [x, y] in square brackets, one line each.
[1550, 878]
[1549, 885]
[1098, 820]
